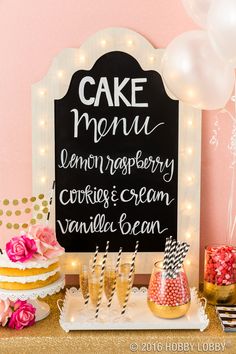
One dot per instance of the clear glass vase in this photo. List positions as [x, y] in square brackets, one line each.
[220, 274]
[168, 296]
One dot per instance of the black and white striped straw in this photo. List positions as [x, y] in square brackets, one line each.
[95, 259]
[166, 252]
[116, 271]
[50, 202]
[182, 255]
[179, 250]
[93, 267]
[171, 257]
[175, 258]
[130, 279]
[101, 280]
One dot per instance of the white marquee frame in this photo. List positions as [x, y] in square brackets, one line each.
[54, 86]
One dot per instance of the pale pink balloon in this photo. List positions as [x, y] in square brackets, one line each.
[222, 29]
[198, 10]
[195, 74]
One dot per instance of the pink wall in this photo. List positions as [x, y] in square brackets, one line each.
[33, 32]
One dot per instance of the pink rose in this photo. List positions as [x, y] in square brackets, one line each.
[23, 315]
[21, 248]
[5, 311]
[46, 242]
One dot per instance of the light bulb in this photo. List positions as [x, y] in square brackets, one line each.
[82, 58]
[42, 151]
[73, 263]
[190, 122]
[103, 42]
[190, 93]
[130, 42]
[151, 58]
[42, 92]
[60, 74]
[188, 262]
[189, 206]
[189, 151]
[43, 179]
[188, 234]
[189, 179]
[42, 123]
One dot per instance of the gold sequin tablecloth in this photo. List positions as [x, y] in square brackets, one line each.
[48, 337]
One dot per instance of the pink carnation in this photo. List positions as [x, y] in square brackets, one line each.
[5, 311]
[23, 315]
[46, 242]
[21, 248]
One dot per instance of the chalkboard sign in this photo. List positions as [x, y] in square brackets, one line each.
[116, 158]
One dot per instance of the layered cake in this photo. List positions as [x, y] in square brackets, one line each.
[31, 260]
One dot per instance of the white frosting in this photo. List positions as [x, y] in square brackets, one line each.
[5, 262]
[28, 279]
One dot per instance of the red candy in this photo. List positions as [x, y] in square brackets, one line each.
[220, 265]
[168, 291]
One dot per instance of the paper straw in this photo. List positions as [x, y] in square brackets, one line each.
[50, 202]
[130, 279]
[101, 280]
[176, 256]
[116, 271]
[179, 251]
[181, 259]
[166, 252]
[171, 257]
[93, 267]
[95, 258]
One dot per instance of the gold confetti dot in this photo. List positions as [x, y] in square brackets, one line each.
[32, 199]
[8, 212]
[41, 196]
[27, 210]
[24, 226]
[33, 221]
[0, 222]
[18, 212]
[36, 207]
[24, 200]
[1, 212]
[39, 216]
[45, 203]
[15, 202]
[16, 226]
[6, 202]
[45, 210]
[9, 225]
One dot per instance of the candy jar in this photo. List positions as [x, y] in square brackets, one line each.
[168, 294]
[220, 274]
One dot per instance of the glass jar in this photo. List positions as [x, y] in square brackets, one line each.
[220, 274]
[168, 296]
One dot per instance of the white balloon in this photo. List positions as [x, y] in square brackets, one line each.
[198, 10]
[195, 74]
[222, 29]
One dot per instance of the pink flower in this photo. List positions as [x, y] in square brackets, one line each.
[21, 248]
[46, 242]
[22, 316]
[5, 311]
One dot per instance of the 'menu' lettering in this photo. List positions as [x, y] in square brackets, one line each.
[101, 127]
